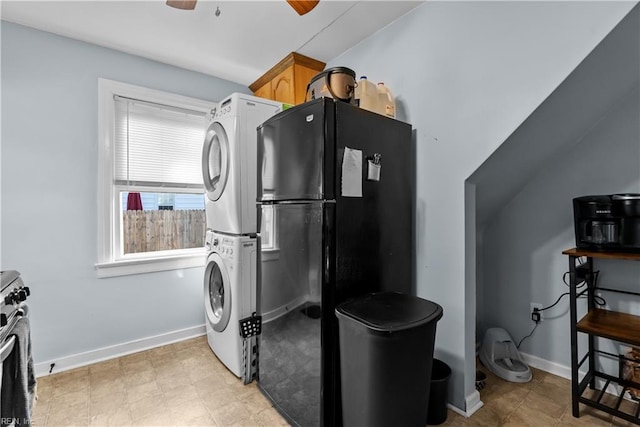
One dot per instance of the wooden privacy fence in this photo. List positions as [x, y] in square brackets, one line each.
[148, 231]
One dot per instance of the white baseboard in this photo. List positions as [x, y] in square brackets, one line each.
[565, 372]
[547, 366]
[82, 359]
[457, 410]
[472, 403]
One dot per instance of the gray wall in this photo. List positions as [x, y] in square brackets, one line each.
[466, 75]
[523, 243]
[49, 164]
[584, 139]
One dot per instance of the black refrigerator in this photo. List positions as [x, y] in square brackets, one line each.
[335, 208]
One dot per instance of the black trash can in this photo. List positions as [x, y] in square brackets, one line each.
[386, 353]
[439, 392]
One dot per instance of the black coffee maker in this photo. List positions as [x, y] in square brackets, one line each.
[610, 222]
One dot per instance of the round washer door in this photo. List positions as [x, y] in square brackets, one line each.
[215, 161]
[217, 293]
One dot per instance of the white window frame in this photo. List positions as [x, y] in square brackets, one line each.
[110, 262]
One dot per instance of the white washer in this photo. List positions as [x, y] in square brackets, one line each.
[229, 162]
[230, 296]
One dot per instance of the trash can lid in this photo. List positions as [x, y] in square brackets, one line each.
[390, 311]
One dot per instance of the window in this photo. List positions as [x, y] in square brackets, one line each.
[150, 190]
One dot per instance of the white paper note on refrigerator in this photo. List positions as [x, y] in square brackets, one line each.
[352, 173]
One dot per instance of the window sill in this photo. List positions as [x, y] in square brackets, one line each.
[151, 265]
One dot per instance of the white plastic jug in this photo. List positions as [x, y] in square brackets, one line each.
[366, 95]
[386, 103]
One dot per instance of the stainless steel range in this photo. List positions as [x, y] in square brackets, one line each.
[17, 379]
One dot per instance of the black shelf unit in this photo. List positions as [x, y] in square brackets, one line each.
[617, 326]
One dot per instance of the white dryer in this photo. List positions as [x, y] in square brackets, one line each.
[229, 162]
[230, 296]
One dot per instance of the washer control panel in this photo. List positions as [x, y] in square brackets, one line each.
[222, 246]
[225, 108]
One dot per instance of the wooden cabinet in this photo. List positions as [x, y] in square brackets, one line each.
[264, 91]
[598, 322]
[282, 87]
[287, 80]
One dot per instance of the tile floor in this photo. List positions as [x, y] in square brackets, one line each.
[181, 384]
[545, 401]
[184, 384]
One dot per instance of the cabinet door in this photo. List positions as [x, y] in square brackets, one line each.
[303, 76]
[282, 87]
[264, 92]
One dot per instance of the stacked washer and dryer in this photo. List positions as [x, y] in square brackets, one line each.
[229, 172]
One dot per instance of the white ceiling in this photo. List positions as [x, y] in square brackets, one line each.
[247, 39]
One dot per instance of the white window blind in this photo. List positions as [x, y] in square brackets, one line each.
[157, 145]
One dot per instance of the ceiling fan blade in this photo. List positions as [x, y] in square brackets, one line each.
[182, 4]
[303, 6]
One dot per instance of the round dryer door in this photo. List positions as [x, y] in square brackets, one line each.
[217, 293]
[215, 160]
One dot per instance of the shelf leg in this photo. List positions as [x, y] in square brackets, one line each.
[592, 305]
[575, 408]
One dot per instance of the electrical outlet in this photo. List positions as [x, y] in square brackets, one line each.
[535, 305]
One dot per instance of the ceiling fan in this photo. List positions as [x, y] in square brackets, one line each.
[300, 6]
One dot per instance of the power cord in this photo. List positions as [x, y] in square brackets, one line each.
[554, 304]
[531, 333]
[578, 286]
[536, 315]
[597, 298]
